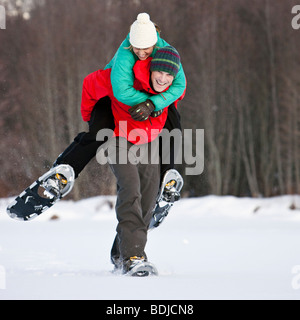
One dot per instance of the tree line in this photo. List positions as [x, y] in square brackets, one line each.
[241, 59]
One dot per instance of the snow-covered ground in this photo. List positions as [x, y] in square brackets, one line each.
[207, 248]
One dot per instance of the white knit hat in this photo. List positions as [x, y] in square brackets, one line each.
[142, 32]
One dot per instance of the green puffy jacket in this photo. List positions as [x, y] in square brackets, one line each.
[122, 79]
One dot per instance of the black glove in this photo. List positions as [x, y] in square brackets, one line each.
[155, 114]
[142, 111]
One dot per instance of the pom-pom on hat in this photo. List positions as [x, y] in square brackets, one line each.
[166, 59]
[142, 32]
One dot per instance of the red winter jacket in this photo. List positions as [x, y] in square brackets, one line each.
[98, 85]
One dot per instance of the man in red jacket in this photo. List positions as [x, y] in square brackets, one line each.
[137, 177]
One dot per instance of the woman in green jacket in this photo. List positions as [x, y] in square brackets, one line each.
[142, 34]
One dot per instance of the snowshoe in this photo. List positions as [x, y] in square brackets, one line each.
[139, 267]
[169, 193]
[43, 193]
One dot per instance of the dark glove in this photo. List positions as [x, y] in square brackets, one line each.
[155, 114]
[142, 111]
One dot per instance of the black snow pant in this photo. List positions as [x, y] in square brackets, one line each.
[137, 185]
[84, 147]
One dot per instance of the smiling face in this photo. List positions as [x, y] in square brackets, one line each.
[143, 54]
[161, 80]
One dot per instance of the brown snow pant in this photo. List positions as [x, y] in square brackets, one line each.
[137, 188]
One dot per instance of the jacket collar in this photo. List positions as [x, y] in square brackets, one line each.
[142, 73]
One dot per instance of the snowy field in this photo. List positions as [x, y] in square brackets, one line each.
[207, 248]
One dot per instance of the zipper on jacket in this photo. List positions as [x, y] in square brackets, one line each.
[163, 96]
